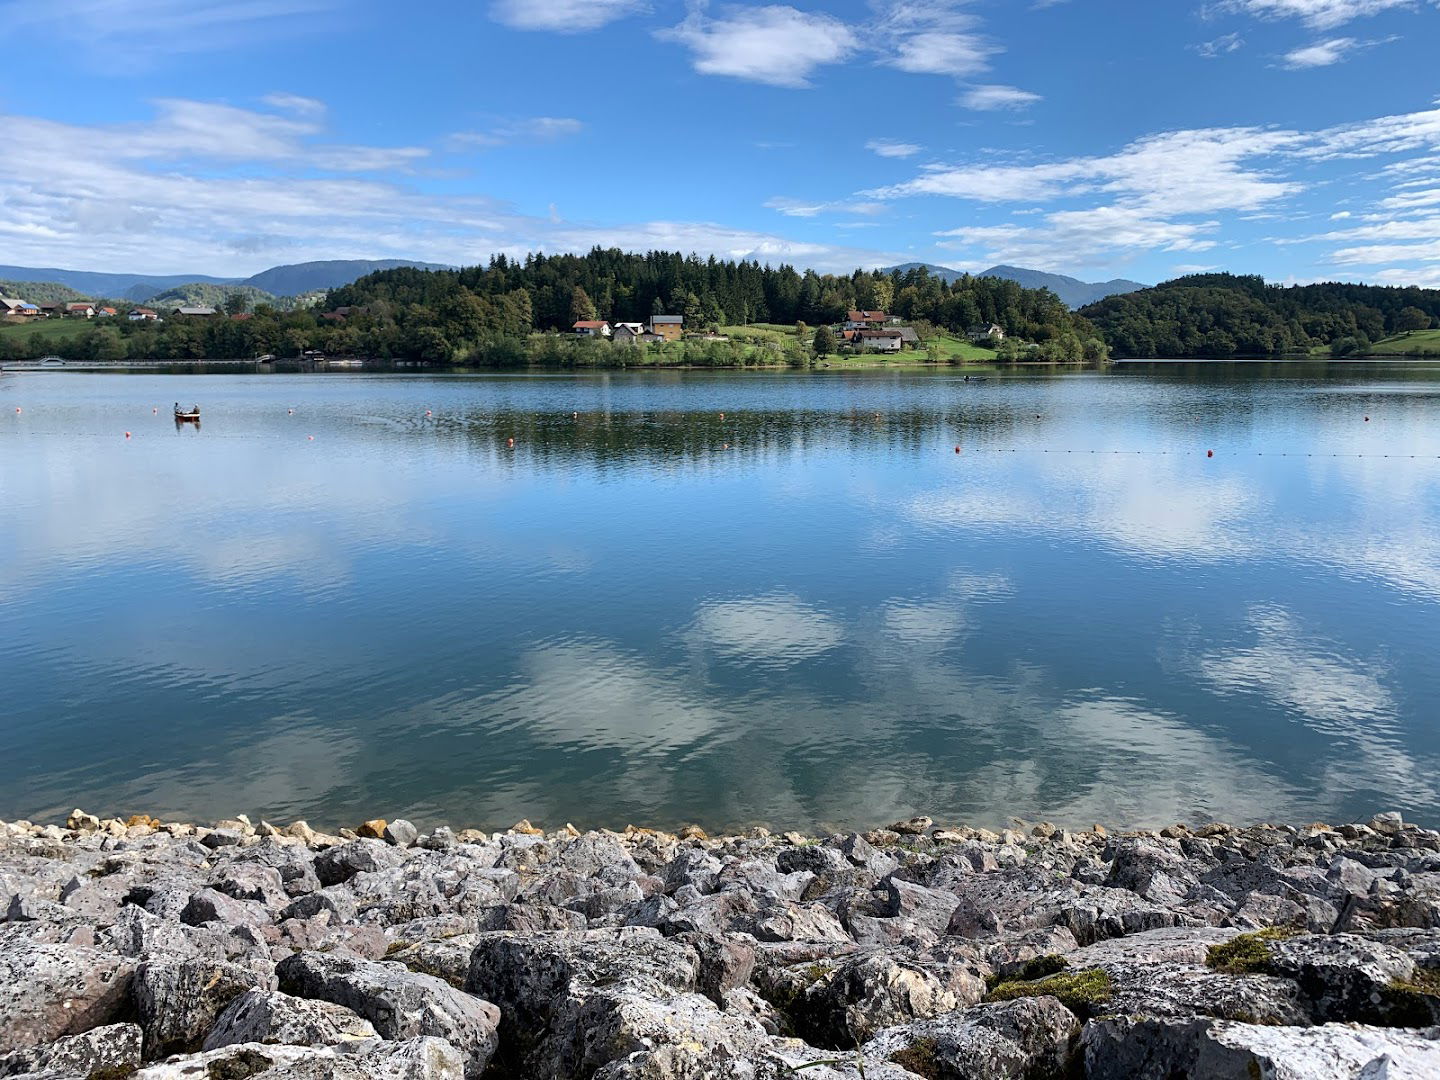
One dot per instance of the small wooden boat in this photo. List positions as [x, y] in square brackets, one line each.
[188, 415]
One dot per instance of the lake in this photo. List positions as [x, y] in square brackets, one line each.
[726, 599]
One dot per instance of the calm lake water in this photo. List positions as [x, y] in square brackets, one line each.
[838, 620]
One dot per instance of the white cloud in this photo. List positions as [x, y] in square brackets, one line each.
[124, 34]
[776, 45]
[889, 148]
[774, 631]
[167, 195]
[992, 98]
[1317, 14]
[1221, 46]
[1323, 53]
[562, 16]
[531, 130]
[296, 103]
[936, 38]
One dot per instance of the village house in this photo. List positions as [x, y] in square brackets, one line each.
[54, 308]
[627, 333]
[867, 320]
[986, 332]
[201, 310]
[81, 309]
[908, 336]
[591, 328]
[106, 313]
[142, 314]
[11, 308]
[667, 327]
[886, 341]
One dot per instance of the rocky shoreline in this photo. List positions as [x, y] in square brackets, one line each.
[162, 951]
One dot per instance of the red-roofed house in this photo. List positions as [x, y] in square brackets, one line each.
[141, 314]
[879, 340]
[861, 320]
[82, 309]
[591, 328]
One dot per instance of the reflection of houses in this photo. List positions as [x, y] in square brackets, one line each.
[591, 328]
[80, 310]
[986, 332]
[142, 314]
[886, 341]
[868, 320]
[667, 327]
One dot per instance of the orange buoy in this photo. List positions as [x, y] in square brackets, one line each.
[957, 450]
[17, 408]
[725, 446]
[722, 416]
[127, 434]
[509, 442]
[310, 437]
[1209, 453]
[428, 413]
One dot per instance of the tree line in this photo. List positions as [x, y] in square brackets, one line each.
[1225, 315]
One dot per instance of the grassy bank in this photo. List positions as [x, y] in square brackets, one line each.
[1418, 343]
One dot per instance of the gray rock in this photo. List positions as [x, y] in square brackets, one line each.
[401, 833]
[336, 900]
[1025, 1039]
[48, 991]
[251, 881]
[926, 907]
[553, 988]
[111, 1050]
[859, 996]
[1349, 978]
[448, 960]
[400, 1003]
[210, 906]
[1224, 1050]
[529, 918]
[268, 1016]
[178, 1001]
[412, 1059]
[337, 865]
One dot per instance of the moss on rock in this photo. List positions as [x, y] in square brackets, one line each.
[1246, 954]
[1082, 992]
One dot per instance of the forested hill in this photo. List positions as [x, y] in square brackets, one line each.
[1220, 315]
[551, 292]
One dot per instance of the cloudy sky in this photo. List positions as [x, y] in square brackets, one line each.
[1299, 139]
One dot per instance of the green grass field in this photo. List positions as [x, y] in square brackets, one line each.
[47, 329]
[1419, 343]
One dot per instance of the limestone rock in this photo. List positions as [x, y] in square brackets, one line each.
[1224, 1050]
[112, 1050]
[50, 990]
[1025, 1039]
[268, 1016]
[411, 1059]
[400, 1003]
[178, 1001]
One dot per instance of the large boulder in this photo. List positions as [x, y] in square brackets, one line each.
[110, 1051]
[268, 1016]
[337, 865]
[402, 1004]
[51, 990]
[1025, 1039]
[177, 1001]
[413, 1059]
[1125, 1049]
[555, 989]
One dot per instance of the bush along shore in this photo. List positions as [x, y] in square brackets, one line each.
[158, 950]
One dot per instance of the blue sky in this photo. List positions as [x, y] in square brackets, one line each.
[1299, 139]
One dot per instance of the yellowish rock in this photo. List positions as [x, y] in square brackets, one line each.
[524, 828]
[374, 829]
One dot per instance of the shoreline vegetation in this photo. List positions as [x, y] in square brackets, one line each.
[516, 314]
[159, 951]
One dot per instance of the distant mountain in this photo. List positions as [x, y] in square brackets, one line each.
[316, 276]
[93, 285]
[203, 294]
[1074, 292]
[944, 273]
[41, 292]
[277, 281]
